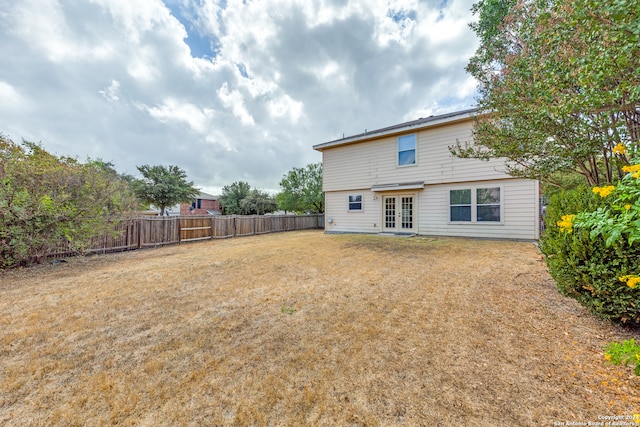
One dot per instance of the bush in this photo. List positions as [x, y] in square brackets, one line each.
[583, 266]
[46, 200]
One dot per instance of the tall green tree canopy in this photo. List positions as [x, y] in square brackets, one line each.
[258, 203]
[240, 199]
[232, 196]
[46, 200]
[302, 190]
[559, 86]
[164, 186]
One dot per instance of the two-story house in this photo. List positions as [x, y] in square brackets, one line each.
[204, 204]
[403, 179]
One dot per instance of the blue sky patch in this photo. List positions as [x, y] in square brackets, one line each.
[401, 15]
[201, 46]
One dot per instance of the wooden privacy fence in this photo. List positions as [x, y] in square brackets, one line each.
[148, 232]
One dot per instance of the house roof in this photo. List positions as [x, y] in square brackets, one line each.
[205, 196]
[414, 125]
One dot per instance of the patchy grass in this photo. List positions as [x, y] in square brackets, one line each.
[305, 329]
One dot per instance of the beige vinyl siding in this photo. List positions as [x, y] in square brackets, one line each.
[520, 209]
[337, 208]
[364, 164]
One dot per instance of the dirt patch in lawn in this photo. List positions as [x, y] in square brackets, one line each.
[304, 328]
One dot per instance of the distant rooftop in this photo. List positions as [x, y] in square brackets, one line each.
[205, 196]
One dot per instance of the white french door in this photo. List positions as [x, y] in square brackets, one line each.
[398, 213]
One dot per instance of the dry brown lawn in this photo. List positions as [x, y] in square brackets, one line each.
[304, 328]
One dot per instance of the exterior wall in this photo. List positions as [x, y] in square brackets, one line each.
[336, 208]
[362, 165]
[355, 168]
[520, 211]
[205, 204]
[519, 197]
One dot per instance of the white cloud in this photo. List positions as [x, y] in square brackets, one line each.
[174, 111]
[234, 100]
[11, 98]
[283, 75]
[285, 106]
[111, 92]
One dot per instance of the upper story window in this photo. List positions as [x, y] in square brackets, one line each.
[406, 150]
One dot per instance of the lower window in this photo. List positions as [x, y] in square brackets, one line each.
[477, 205]
[355, 202]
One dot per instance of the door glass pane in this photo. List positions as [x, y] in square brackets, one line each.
[407, 213]
[390, 212]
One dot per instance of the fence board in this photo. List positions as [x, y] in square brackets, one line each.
[223, 227]
[147, 232]
[159, 231]
[195, 228]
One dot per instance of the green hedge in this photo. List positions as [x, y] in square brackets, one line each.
[586, 269]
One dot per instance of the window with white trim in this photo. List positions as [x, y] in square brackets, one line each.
[476, 205]
[355, 202]
[488, 204]
[406, 150]
[460, 205]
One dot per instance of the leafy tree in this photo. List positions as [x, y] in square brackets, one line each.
[164, 186]
[46, 200]
[302, 190]
[232, 196]
[258, 203]
[559, 87]
[240, 199]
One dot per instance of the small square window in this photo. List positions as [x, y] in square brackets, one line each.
[407, 150]
[355, 202]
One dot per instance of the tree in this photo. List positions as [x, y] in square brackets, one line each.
[164, 186]
[559, 87]
[232, 196]
[302, 190]
[240, 199]
[258, 203]
[46, 200]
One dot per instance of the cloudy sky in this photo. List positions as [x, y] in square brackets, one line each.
[227, 90]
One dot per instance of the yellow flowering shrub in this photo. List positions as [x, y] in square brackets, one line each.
[594, 254]
[604, 191]
[631, 280]
[620, 148]
[566, 223]
[634, 170]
